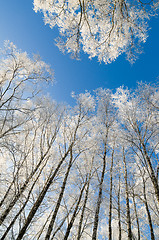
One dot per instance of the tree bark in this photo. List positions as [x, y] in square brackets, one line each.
[136, 215]
[119, 217]
[110, 199]
[96, 218]
[127, 199]
[153, 177]
[148, 212]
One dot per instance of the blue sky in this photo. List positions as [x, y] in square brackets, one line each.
[26, 29]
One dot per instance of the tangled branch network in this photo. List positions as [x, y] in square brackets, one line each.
[102, 29]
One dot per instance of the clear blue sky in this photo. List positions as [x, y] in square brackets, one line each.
[26, 29]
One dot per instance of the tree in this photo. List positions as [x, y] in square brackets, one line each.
[103, 29]
[128, 217]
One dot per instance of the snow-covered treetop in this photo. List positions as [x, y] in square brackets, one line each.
[103, 29]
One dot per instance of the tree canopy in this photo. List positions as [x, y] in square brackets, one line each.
[102, 29]
[84, 172]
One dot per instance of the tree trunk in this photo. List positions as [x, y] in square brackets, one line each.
[127, 199]
[148, 212]
[96, 218]
[136, 215]
[153, 177]
[119, 217]
[110, 200]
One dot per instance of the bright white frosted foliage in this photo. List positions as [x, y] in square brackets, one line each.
[17, 65]
[85, 100]
[103, 29]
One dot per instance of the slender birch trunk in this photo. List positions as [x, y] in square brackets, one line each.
[127, 199]
[136, 215]
[153, 177]
[148, 211]
[119, 217]
[99, 200]
[110, 199]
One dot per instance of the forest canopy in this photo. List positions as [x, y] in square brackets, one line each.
[84, 172]
[102, 29]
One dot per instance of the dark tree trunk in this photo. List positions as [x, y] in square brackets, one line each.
[110, 200]
[148, 212]
[136, 215]
[153, 177]
[96, 218]
[127, 199]
[119, 217]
